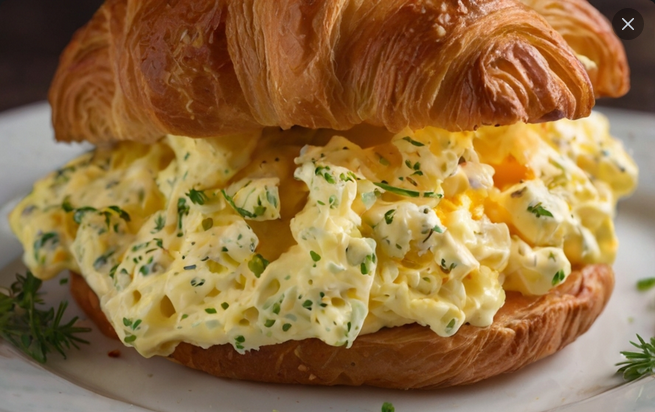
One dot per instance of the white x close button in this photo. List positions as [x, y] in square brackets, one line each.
[628, 24]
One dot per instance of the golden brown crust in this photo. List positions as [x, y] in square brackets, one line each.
[524, 331]
[141, 69]
[589, 34]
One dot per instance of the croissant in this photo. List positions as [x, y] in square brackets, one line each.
[590, 35]
[142, 69]
[525, 330]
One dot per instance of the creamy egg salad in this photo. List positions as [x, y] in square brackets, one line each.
[261, 238]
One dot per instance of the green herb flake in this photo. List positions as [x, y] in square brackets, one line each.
[182, 210]
[120, 212]
[160, 222]
[388, 217]
[451, 325]
[445, 268]
[207, 223]
[315, 256]
[211, 311]
[190, 267]
[413, 142]
[559, 277]
[539, 211]
[129, 338]
[645, 284]
[102, 259]
[197, 282]
[382, 160]
[307, 304]
[243, 212]
[66, 205]
[34, 331]
[80, 212]
[198, 197]
[286, 327]
[271, 198]
[257, 265]
[269, 322]
[388, 407]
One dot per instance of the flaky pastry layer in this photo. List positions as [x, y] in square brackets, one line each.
[142, 69]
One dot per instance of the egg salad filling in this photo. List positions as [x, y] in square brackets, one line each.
[260, 238]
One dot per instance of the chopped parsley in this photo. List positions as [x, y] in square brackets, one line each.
[160, 222]
[243, 212]
[80, 212]
[198, 197]
[286, 327]
[269, 323]
[66, 205]
[39, 243]
[225, 305]
[102, 259]
[539, 211]
[182, 210]
[121, 213]
[211, 311]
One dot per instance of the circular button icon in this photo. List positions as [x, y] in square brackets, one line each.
[628, 24]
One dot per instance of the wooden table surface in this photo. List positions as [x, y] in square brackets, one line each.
[33, 33]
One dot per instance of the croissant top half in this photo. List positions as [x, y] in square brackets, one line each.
[144, 68]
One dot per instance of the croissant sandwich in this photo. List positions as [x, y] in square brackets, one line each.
[348, 192]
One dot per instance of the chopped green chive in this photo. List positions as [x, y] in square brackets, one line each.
[559, 277]
[388, 217]
[207, 223]
[413, 142]
[257, 265]
[315, 256]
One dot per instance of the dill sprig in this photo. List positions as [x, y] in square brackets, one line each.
[35, 331]
[638, 364]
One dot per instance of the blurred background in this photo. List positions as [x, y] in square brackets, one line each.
[34, 32]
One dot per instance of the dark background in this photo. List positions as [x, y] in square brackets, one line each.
[34, 32]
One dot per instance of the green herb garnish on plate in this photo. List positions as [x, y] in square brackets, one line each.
[35, 331]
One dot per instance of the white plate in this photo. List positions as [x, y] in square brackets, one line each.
[581, 377]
